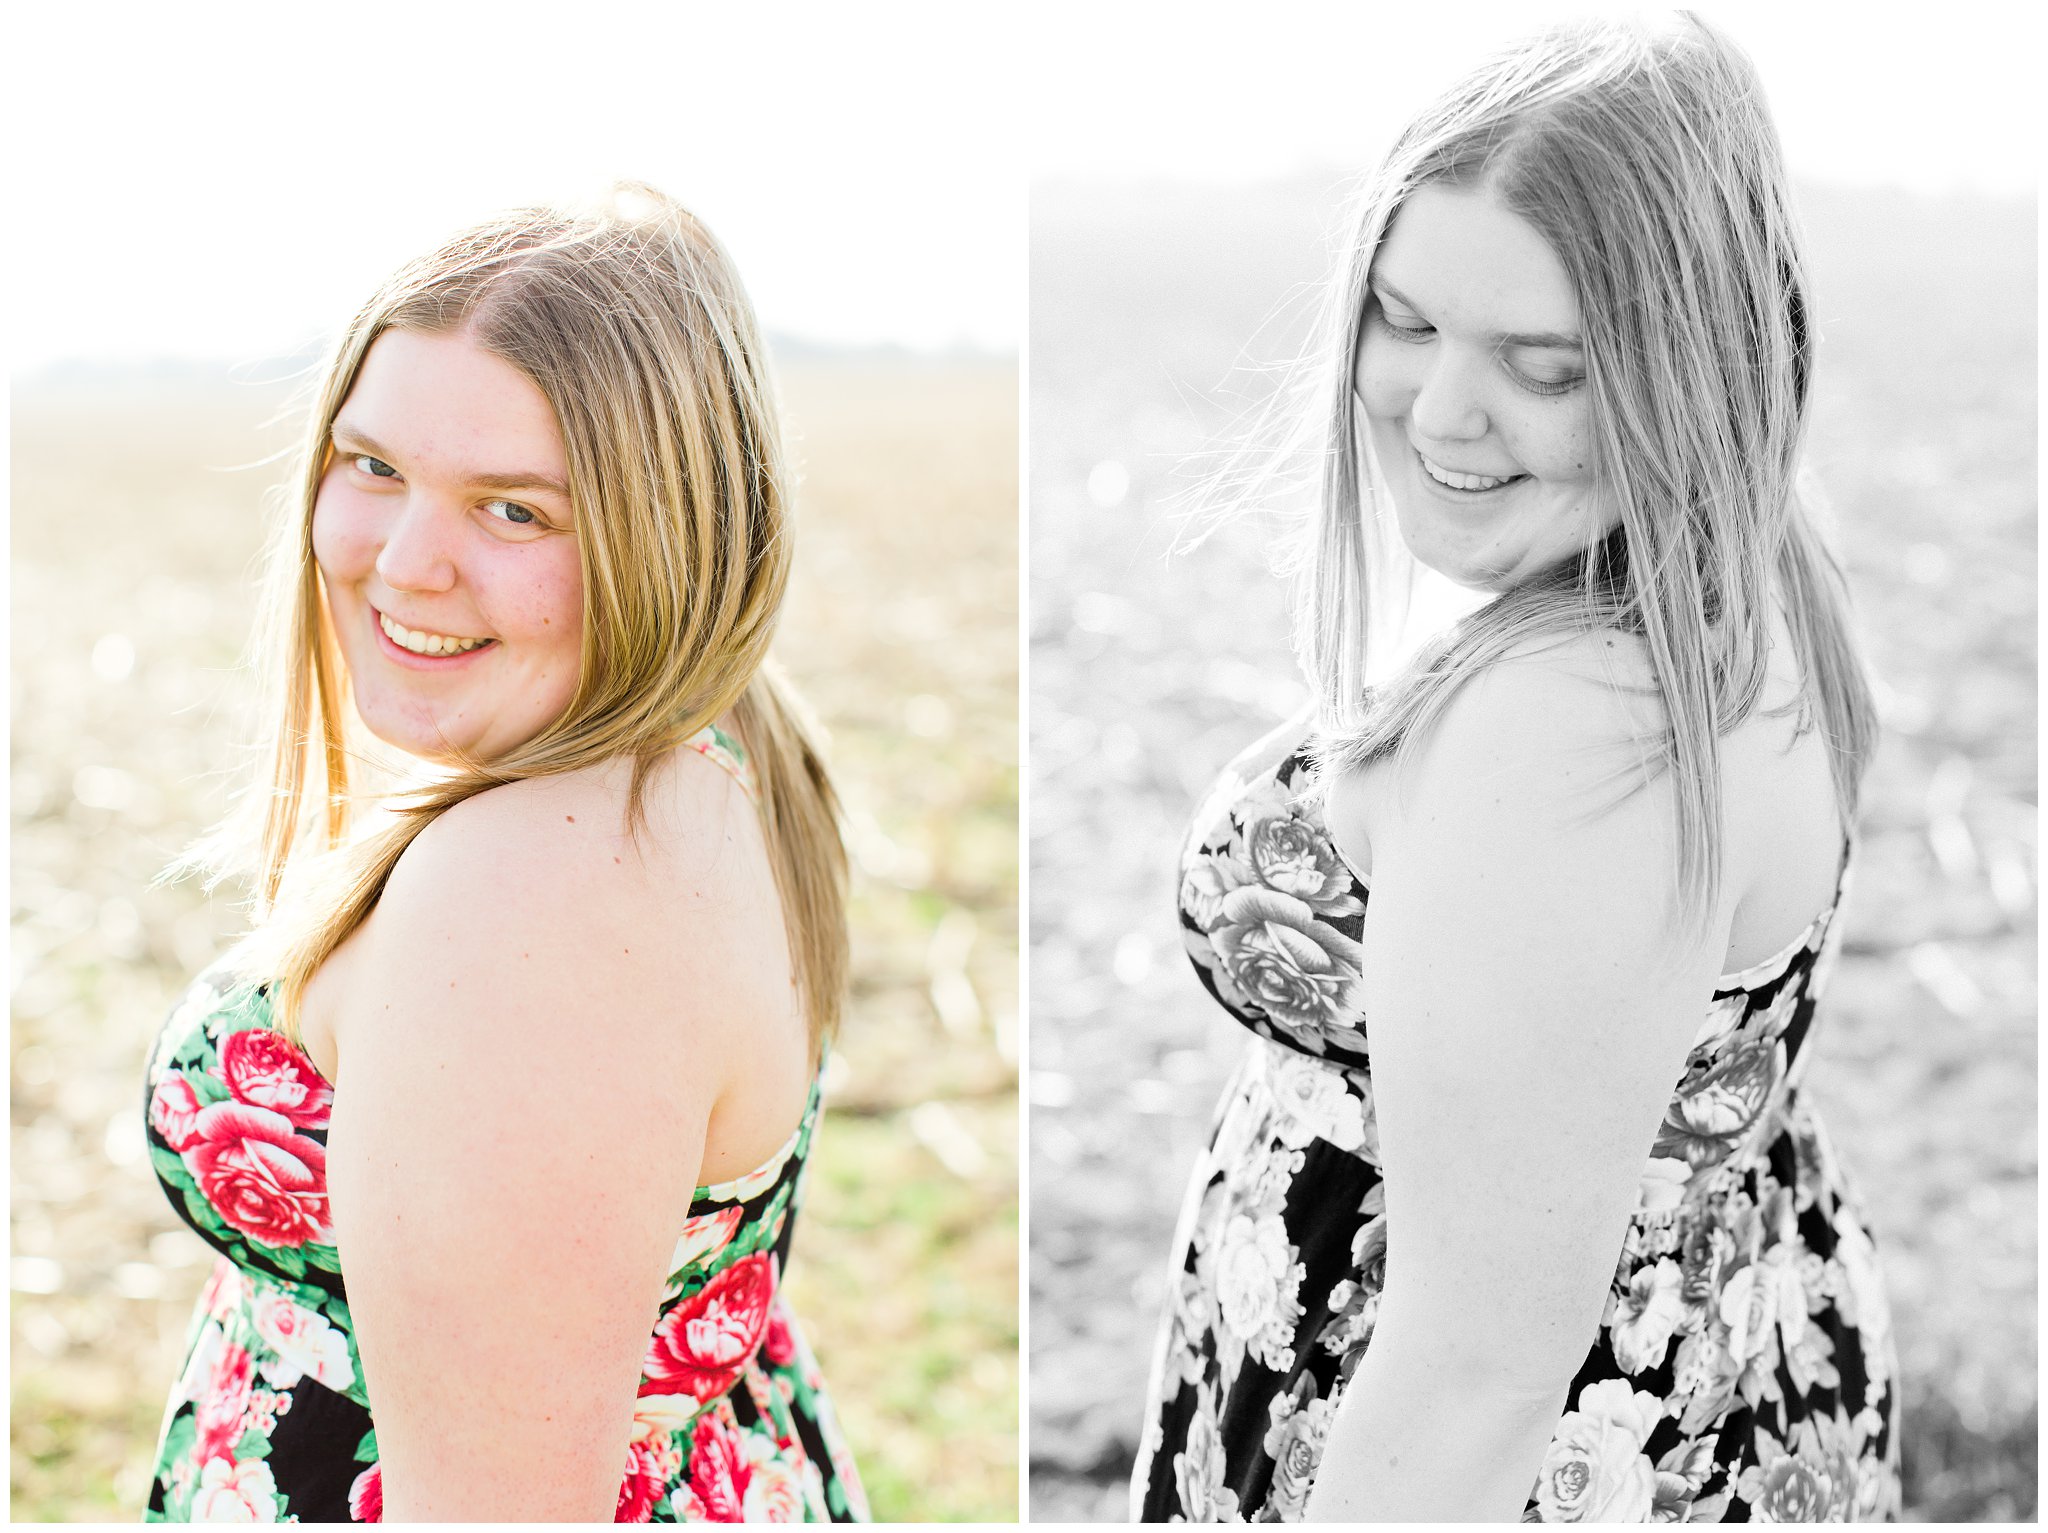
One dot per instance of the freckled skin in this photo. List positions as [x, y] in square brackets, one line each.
[425, 546]
[1476, 271]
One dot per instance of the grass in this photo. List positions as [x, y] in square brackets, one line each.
[133, 541]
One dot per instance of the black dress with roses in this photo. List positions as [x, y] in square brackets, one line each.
[1744, 1365]
[270, 1418]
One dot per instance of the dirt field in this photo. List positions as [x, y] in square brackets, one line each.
[133, 539]
[1150, 307]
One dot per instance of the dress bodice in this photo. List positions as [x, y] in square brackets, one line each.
[1272, 917]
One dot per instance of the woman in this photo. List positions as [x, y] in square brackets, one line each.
[535, 1042]
[1515, 1208]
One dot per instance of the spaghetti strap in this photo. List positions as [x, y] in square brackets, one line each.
[722, 746]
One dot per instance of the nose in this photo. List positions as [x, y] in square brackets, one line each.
[417, 554]
[1446, 406]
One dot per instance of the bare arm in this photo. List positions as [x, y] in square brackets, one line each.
[515, 1144]
[1529, 1012]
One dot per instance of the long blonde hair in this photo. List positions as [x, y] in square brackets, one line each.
[1645, 157]
[633, 324]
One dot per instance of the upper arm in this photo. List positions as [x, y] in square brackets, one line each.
[1529, 1012]
[516, 1145]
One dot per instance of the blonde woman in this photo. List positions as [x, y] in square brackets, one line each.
[1515, 1208]
[528, 1048]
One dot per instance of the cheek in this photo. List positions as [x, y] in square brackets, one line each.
[1382, 381]
[540, 600]
[1555, 446]
[344, 544]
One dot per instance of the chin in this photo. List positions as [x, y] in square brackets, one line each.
[395, 722]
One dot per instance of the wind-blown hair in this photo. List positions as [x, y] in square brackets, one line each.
[1646, 158]
[633, 324]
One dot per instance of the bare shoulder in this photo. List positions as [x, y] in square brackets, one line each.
[1567, 725]
[575, 824]
[1559, 729]
[543, 889]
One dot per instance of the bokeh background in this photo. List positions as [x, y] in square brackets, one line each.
[220, 214]
[1171, 270]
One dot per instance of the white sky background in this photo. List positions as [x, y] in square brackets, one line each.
[231, 181]
[1930, 97]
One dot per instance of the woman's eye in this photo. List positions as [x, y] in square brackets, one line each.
[376, 468]
[1536, 385]
[1415, 332]
[511, 511]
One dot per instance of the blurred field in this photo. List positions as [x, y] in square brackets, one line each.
[1148, 304]
[132, 554]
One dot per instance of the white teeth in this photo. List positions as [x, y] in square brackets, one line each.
[426, 643]
[1463, 481]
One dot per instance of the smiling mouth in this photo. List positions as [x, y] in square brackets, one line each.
[427, 644]
[1466, 484]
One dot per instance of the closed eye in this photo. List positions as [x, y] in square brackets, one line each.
[1544, 385]
[1411, 333]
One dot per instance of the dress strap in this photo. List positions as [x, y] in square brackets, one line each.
[717, 744]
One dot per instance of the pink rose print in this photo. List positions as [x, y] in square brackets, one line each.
[263, 1178]
[262, 1069]
[650, 1465]
[222, 1295]
[366, 1496]
[701, 1346]
[173, 1110]
[739, 1477]
[717, 1488]
[779, 1345]
[223, 1403]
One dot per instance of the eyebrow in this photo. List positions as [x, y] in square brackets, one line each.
[358, 440]
[1553, 340]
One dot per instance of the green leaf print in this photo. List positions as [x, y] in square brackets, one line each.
[201, 1210]
[323, 1257]
[178, 1440]
[171, 1167]
[366, 1450]
[289, 1259]
[759, 1233]
[253, 1445]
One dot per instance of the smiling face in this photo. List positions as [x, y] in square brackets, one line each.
[446, 541]
[1472, 380]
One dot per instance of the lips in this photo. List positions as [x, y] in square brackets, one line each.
[424, 644]
[1462, 482]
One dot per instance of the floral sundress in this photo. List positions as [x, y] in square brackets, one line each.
[1744, 1367]
[270, 1419]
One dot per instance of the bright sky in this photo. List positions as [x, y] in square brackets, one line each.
[1924, 97]
[232, 180]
